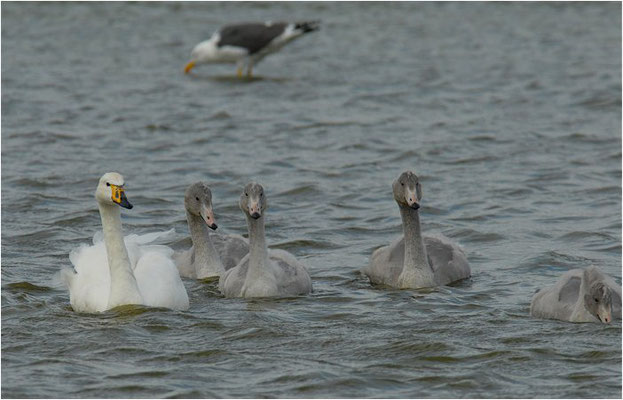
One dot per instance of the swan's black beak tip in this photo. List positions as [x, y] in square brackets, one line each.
[126, 204]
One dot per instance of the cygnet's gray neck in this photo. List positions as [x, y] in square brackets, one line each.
[206, 259]
[258, 252]
[257, 238]
[415, 251]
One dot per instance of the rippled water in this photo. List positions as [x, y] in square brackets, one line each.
[510, 113]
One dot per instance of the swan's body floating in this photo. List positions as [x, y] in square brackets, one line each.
[210, 255]
[413, 261]
[247, 43]
[262, 273]
[116, 272]
[580, 295]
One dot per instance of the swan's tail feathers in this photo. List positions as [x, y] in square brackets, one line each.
[308, 26]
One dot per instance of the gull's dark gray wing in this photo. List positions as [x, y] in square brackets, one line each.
[251, 36]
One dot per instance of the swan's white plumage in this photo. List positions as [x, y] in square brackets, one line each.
[118, 270]
[156, 274]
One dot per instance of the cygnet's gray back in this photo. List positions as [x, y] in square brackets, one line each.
[231, 248]
[447, 260]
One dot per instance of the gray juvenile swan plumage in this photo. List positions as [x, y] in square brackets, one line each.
[580, 295]
[210, 254]
[262, 273]
[413, 261]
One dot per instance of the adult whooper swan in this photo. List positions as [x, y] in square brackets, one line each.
[247, 43]
[580, 295]
[262, 273]
[116, 272]
[210, 254]
[415, 261]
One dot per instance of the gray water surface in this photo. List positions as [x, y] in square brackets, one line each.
[509, 113]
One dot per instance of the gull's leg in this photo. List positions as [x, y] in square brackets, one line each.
[239, 68]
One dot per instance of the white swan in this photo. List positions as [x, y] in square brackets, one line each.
[210, 255]
[262, 273]
[114, 272]
[580, 295]
[413, 261]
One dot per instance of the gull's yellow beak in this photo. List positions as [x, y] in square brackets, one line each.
[189, 66]
[118, 196]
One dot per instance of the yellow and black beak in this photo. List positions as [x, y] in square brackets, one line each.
[118, 196]
[189, 66]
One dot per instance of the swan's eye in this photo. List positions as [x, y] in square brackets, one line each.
[596, 300]
[246, 194]
[261, 194]
[107, 184]
[197, 198]
[402, 184]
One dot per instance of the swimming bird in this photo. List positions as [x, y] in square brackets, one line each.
[263, 273]
[580, 295]
[116, 272]
[207, 257]
[247, 43]
[415, 261]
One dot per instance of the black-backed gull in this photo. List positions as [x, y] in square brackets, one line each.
[246, 44]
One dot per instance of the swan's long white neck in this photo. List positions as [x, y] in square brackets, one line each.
[123, 286]
[206, 261]
[416, 267]
[258, 252]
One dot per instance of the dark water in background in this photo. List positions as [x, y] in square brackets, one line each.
[510, 113]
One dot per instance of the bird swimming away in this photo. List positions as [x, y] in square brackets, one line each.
[247, 43]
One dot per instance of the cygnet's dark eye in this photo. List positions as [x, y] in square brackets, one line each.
[402, 183]
[107, 184]
[262, 194]
[246, 194]
[197, 198]
[596, 300]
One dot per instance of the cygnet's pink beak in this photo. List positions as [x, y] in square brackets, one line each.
[411, 197]
[208, 216]
[254, 209]
[606, 317]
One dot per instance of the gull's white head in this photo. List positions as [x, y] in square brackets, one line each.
[110, 190]
[203, 53]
